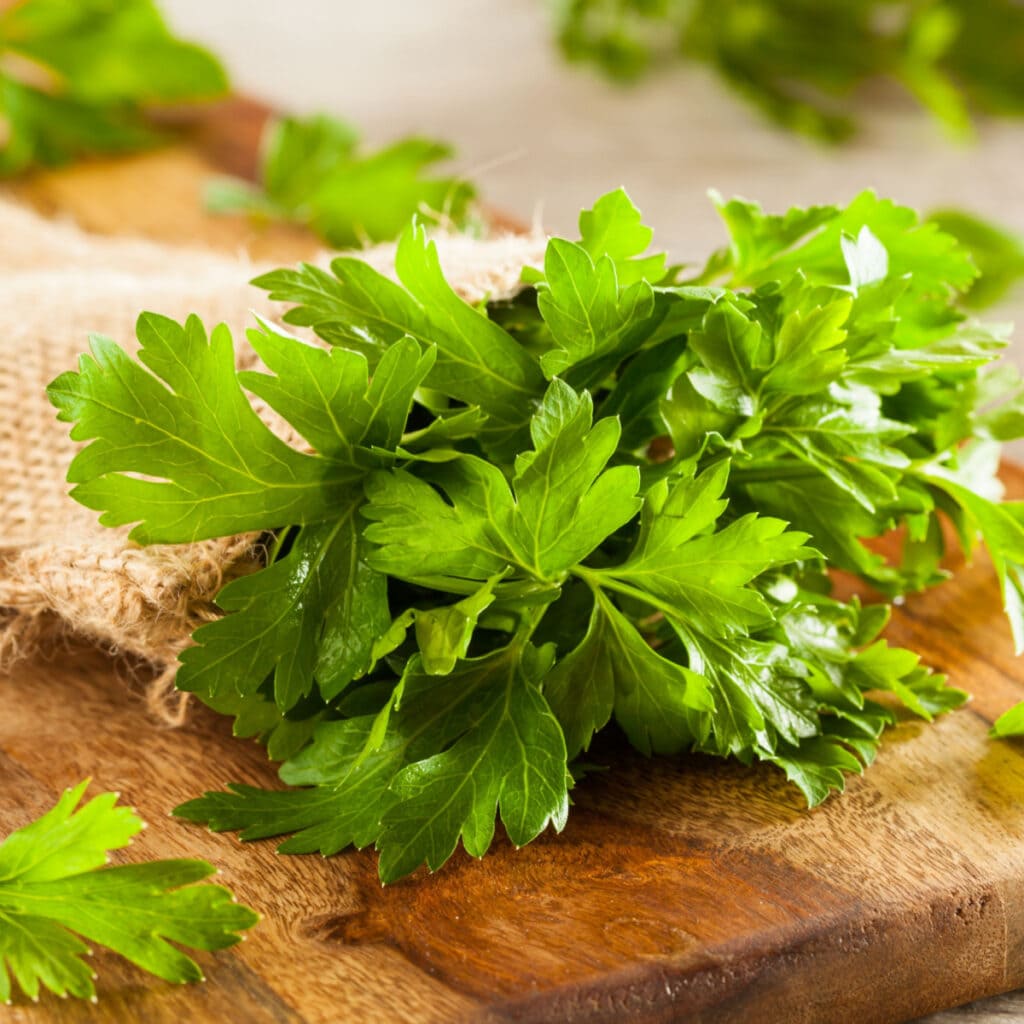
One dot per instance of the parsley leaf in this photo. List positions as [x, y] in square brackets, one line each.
[314, 175]
[561, 505]
[212, 467]
[311, 610]
[478, 362]
[613, 227]
[55, 891]
[614, 669]
[459, 746]
[820, 241]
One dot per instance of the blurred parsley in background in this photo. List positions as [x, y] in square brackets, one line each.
[77, 75]
[313, 174]
[799, 61]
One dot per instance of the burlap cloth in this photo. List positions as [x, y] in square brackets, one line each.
[60, 572]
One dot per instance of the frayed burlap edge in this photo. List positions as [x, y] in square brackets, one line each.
[144, 602]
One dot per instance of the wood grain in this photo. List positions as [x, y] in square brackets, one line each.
[682, 888]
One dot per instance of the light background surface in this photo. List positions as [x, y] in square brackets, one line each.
[544, 139]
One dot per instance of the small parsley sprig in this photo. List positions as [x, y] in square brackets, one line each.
[77, 77]
[801, 61]
[314, 174]
[613, 499]
[55, 891]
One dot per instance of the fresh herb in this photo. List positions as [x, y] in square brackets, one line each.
[997, 253]
[613, 499]
[801, 61]
[314, 174]
[76, 78]
[55, 891]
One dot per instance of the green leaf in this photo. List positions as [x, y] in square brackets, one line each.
[881, 667]
[300, 152]
[458, 749]
[477, 361]
[756, 238]
[615, 670]
[761, 697]
[845, 441]
[111, 54]
[54, 892]
[834, 521]
[1002, 527]
[208, 465]
[316, 611]
[416, 534]
[375, 196]
[561, 505]
[567, 502]
[804, 67]
[76, 78]
[511, 759]
[1009, 723]
[328, 397]
[809, 351]
[584, 307]
[483, 364]
[867, 260]
[693, 421]
[810, 242]
[998, 254]
[817, 766]
[735, 355]
[349, 794]
[701, 577]
[203, 463]
[613, 227]
[965, 348]
[313, 174]
[443, 634]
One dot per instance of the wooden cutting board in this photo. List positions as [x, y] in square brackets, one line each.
[682, 889]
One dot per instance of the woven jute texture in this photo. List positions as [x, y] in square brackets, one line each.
[60, 572]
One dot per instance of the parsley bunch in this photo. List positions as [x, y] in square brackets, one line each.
[313, 174]
[54, 887]
[77, 75]
[613, 499]
[799, 61]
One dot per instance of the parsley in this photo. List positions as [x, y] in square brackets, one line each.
[613, 499]
[998, 254]
[76, 78]
[55, 891]
[800, 61]
[314, 174]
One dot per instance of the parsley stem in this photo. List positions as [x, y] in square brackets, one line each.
[773, 471]
[529, 622]
[597, 580]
